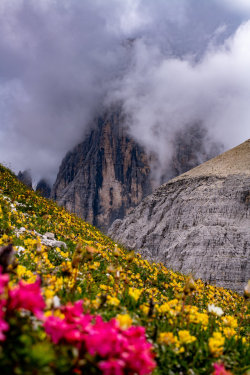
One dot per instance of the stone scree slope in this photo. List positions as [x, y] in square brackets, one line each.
[199, 222]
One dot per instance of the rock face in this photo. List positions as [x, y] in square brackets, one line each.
[190, 148]
[199, 222]
[105, 175]
[25, 178]
[43, 188]
[109, 173]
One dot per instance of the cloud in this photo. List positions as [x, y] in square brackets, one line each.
[164, 95]
[241, 6]
[57, 58]
[61, 58]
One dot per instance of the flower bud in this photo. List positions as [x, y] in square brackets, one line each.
[247, 290]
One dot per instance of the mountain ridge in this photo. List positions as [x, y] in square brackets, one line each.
[233, 161]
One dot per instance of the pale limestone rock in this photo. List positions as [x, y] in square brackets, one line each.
[49, 235]
[199, 222]
[47, 239]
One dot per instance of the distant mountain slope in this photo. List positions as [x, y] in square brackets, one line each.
[199, 222]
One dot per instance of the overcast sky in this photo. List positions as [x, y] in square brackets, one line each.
[60, 60]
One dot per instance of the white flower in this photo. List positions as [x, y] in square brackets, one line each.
[20, 250]
[56, 302]
[215, 310]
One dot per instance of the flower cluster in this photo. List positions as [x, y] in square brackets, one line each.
[28, 297]
[4, 279]
[121, 350]
[22, 296]
[216, 343]
[219, 369]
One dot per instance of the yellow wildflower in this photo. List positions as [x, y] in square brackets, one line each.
[31, 277]
[164, 308]
[145, 309]
[94, 266]
[56, 313]
[113, 301]
[124, 320]
[229, 332]
[216, 343]
[199, 318]
[167, 338]
[103, 287]
[135, 293]
[21, 271]
[230, 321]
[48, 293]
[185, 337]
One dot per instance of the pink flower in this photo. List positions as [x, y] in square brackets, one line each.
[140, 358]
[55, 327]
[4, 279]
[122, 351]
[3, 325]
[112, 367]
[28, 297]
[74, 311]
[219, 369]
[104, 338]
[70, 329]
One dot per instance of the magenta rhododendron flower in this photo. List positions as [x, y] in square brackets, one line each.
[28, 297]
[73, 311]
[4, 279]
[55, 327]
[70, 329]
[112, 367]
[3, 324]
[121, 351]
[105, 339]
[219, 369]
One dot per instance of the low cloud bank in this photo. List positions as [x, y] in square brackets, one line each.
[166, 95]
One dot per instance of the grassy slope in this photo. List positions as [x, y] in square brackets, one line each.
[103, 275]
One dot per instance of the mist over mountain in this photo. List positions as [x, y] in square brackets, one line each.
[170, 64]
[109, 173]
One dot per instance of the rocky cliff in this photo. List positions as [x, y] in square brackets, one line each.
[199, 222]
[105, 175]
[43, 187]
[25, 178]
[109, 173]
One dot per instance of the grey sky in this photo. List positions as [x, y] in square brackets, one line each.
[60, 59]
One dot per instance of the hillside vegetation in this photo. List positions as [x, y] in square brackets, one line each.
[80, 304]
